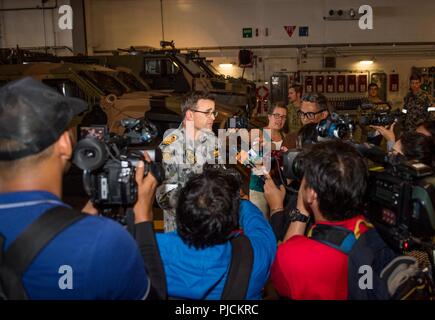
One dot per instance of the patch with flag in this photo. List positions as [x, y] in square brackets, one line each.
[290, 30]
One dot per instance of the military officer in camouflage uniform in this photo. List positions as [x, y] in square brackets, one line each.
[295, 100]
[417, 103]
[185, 150]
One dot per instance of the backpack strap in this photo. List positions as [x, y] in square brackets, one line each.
[242, 260]
[337, 237]
[20, 254]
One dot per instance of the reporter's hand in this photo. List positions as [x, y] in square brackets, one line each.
[296, 227]
[300, 204]
[273, 195]
[387, 133]
[143, 209]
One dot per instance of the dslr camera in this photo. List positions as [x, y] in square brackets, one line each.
[109, 162]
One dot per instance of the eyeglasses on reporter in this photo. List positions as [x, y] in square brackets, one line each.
[308, 115]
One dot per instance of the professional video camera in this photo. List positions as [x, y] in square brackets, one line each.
[139, 130]
[401, 204]
[336, 126]
[108, 162]
[383, 118]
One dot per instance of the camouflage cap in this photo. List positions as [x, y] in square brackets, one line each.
[33, 116]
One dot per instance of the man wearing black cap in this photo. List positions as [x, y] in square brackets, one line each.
[92, 258]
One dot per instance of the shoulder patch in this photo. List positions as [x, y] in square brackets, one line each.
[170, 139]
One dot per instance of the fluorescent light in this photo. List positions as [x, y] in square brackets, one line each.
[366, 62]
[225, 65]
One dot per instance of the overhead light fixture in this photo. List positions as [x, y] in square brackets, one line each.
[225, 65]
[342, 15]
[366, 62]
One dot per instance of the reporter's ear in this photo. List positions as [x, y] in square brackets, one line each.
[64, 146]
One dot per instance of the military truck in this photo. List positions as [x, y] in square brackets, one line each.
[171, 71]
[119, 93]
[97, 85]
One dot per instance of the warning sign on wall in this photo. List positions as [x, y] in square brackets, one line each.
[290, 30]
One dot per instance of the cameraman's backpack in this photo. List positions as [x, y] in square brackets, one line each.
[22, 251]
[375, 272]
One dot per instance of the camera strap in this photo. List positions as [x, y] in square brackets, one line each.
[20, 254]
[242, 259]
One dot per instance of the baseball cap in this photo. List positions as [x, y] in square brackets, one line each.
[33, 115]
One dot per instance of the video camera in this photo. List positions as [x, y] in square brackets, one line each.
[402, 198]
[108, 162]
[139, 130]
[336, 126]
[383, 118]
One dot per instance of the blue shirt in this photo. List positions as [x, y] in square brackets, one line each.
[201, 273]
[102, 257]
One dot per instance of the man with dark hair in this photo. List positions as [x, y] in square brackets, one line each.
[197, 256]
[186, 149]
[294, 98]
[373, 136]
[331, 192]
[92, 258]
[314, 108]
[416, 104]
[374, 93]
[415, 146]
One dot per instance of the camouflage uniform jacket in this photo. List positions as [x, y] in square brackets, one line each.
[416, 106]
[181, 159]
[293, 121]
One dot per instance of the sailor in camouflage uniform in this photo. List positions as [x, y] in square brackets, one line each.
[417, 104]
[185, 150]
[294, 97]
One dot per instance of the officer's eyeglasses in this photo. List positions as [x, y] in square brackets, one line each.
[208, 114]
[308, 115]
[278, 116]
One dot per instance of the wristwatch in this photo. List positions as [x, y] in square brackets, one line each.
[296, 215]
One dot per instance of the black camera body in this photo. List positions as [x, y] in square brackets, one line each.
[111, 185]
[401, 203]
[109, 167]
[293, 165]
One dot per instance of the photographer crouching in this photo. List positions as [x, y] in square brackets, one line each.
[331, 193]
[50, 251]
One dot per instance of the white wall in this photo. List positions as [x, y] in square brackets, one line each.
[26, 28]
[205, 23]
[115, 24]
[209, 24]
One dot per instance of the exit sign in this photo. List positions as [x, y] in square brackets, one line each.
[247, 32]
